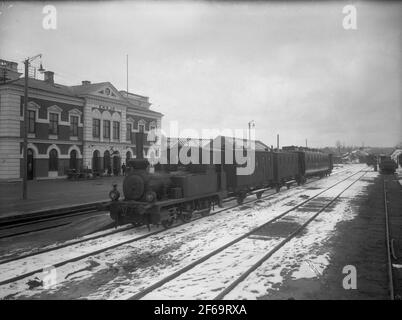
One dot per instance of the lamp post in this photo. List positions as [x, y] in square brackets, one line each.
[25, 142]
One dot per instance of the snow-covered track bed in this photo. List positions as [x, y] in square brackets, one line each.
[73, 259]
[224, 268]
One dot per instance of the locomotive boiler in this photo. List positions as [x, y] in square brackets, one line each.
[166, 194]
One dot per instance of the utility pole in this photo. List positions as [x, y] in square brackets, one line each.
[25, 143]
[277, 141]
[250, 125]
[25, 131]
[127, 73]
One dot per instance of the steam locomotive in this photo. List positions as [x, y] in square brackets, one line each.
[167, 192]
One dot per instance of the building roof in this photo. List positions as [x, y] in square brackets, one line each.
[44, 86]
[87, 88]
[78, 91]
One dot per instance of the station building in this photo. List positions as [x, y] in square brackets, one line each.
[88, 126]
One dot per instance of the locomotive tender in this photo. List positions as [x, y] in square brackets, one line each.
[177, 191]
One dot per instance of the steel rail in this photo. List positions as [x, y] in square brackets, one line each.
[235, 283]
[190, 266]
[83, 256]
[23, 256]
[388, 241]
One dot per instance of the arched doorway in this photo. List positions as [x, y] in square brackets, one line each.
[116, 165]
[73, 160]
[30, 164]
[128, 157]
[107, 165]
[53, 160]
[96, 161]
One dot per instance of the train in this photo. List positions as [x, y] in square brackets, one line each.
[387, 165]
[164, 193]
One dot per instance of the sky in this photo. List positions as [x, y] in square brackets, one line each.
[290, 66]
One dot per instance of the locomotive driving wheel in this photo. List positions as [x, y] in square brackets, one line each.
[186, 212]
[186, 216]
[241, 196]
[167, 223]
[205, 208]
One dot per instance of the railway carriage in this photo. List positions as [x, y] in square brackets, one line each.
[176, 191]
[262, 176]
[286, 168]
[387, 165]
[315, 163]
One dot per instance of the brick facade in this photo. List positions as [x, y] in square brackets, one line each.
[61, 127]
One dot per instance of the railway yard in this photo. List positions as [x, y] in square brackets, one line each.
[335, 237]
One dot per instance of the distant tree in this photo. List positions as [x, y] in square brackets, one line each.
[338, 145]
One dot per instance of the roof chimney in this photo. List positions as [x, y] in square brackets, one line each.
[49, 77]
[85, 82]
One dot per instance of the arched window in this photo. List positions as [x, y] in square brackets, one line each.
[53, 160]
[96, 161]
[107, 165]
[73, 159]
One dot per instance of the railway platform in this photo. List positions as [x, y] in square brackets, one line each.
[53, 195]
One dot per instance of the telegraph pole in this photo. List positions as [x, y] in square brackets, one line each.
[277, 141]
[25, 131]
[25, 143]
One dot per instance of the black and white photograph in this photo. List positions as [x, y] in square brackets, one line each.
[209, 151]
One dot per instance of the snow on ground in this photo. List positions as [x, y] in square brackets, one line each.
[399, 174]
[142, 263]
[304, 256]
[206, 280]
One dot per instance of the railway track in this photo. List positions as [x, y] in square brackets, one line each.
[106, 248]
[8, 226]
[247, 235]
[123, 229]
[390, 245]
[49, 219]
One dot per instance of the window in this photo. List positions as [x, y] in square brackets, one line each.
[53, 123]
[74, 126]
[116, 130]
[31, 121]
[96, 128]
[141, 127]
[106, 128]
[53, 160]
[129, 129]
